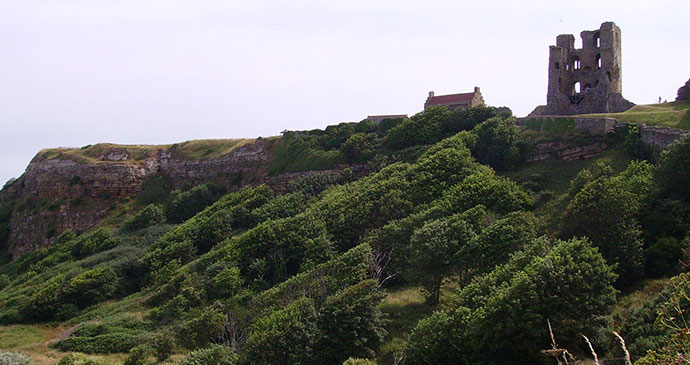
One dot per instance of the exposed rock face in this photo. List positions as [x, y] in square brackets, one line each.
[76, 194]
[684, 92]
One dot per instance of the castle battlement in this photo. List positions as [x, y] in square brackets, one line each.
[588, 79]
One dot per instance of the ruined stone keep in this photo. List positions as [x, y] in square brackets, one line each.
[588, 79]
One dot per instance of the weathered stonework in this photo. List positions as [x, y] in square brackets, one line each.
[656, 137]
[586, 80]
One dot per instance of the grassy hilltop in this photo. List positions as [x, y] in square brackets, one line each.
[452, 249]
[674, 115]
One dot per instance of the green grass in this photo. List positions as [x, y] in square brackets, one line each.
[202, 149]
[673, 114]
[404, 307]
[552, 178]
[296, 155]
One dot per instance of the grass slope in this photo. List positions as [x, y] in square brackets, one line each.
[201, 149]
[673, 115]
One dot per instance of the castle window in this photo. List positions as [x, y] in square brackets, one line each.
[576, 63]
[576, 88]
[558, 65]
[597, 41]
[597, 61]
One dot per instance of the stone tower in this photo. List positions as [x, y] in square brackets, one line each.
[586, 80]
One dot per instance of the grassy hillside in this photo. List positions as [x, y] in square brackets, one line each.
[673, 115]
[452, 250]
[194, 150]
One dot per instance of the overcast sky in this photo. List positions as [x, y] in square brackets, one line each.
[149, 72]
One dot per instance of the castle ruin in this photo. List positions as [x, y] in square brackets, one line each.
[586, 80]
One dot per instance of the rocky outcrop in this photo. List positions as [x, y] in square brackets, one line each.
[61, 192]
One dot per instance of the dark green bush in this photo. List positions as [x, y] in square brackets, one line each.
[155, 189]
[184, 205]
[284, 336]
[101, 344]
[91, 286]
[149, 216]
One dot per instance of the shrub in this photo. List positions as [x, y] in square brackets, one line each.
[139, 355]
[202, 328]
[14, 358]
[499, 144]
[155, 189]
[97, 241]
[147, 217]
[91, 286]
[185, 205]
[285, 336]
[102, 344]
[78, 359]
[212, 355]
[350, 324]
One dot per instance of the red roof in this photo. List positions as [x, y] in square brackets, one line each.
[452, 99]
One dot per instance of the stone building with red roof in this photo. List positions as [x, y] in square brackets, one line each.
[455, 101]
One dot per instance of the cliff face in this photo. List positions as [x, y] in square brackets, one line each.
[72, 189]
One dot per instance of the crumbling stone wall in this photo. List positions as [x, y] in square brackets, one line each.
[652, 136]
[586, 80]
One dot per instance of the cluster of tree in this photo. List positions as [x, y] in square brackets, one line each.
[298, 277]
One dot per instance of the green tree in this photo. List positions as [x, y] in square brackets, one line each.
[673, 170]
[91, 286]
[350, 324]
[606, 210]
[499, 144]
[285, 336]
[440, 248]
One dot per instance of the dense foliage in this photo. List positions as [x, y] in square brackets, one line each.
[451, 250]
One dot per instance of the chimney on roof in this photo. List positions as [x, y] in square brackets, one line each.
[431, 94]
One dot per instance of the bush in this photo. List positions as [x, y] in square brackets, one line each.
[139, 355]
[91, 286]
[102, 344]
[350, 324]
[499, 144]
[285, 336]
[14, 358]
[185, 205]
[212, 355]
[78, 359]
[95, 242]
[147, 217]
[155, 189]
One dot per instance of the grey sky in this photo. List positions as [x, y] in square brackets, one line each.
[77, 72]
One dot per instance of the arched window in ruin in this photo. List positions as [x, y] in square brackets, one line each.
[576, 63]
[597, 61]
[597, 41]
[558, 65]
[576, 88]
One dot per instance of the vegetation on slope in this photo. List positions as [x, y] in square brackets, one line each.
[675, 114]
[448, 252]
